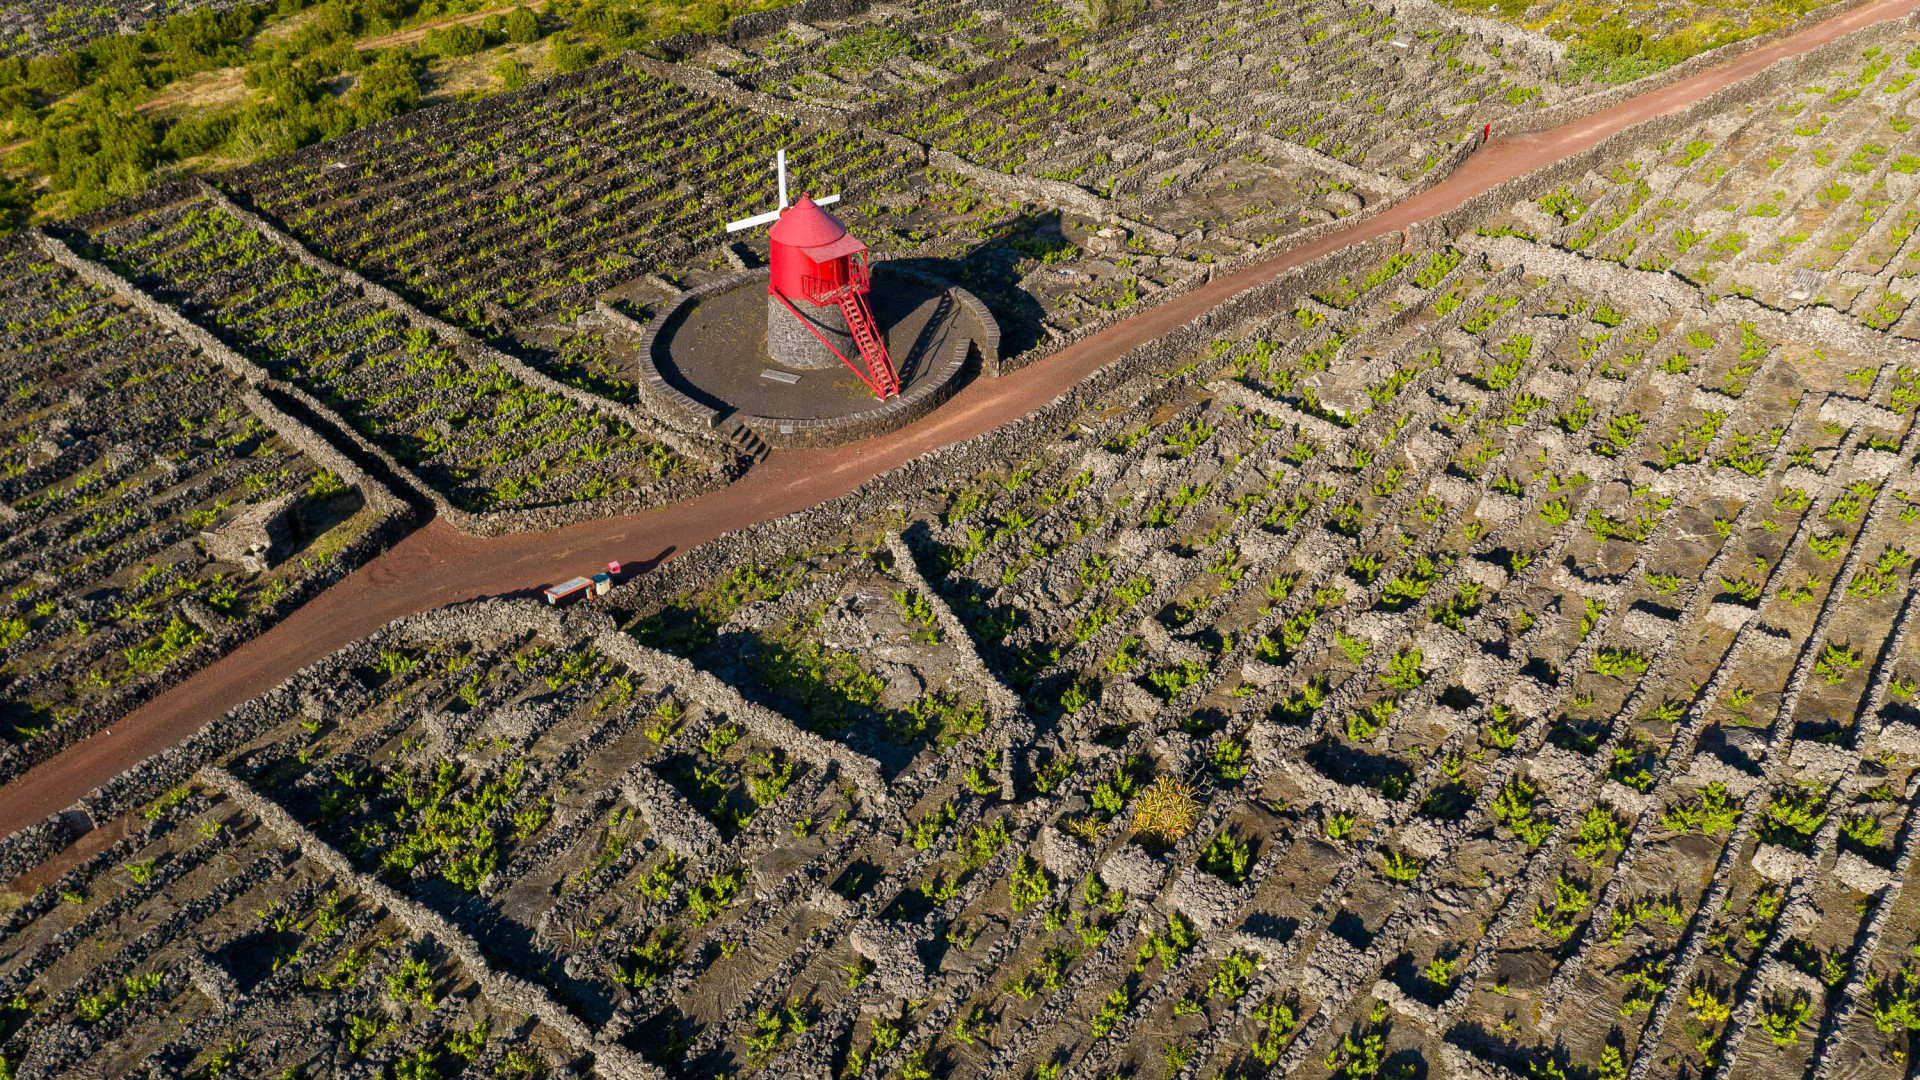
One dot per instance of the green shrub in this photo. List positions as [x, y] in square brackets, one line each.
[567, 56]
[1556, 919]
[1228, 858]
[512, 74]
[1781, 1019]
[522, 26]
[1234, 978]
[1794, 815]
[1104, 13]
[1403, 671]
[1600, 832]
[458, 40]
[1030, 884]
[1402, 868]
[1514, 806]
[1111, 1011]
[1618, 662]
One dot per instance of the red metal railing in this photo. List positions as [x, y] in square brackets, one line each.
[823, 293]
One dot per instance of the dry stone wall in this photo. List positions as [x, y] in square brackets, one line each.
[1465, 651]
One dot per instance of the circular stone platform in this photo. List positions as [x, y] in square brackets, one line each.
[706, 359]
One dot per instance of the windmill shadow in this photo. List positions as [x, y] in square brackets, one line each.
[893, 306]
[990, 270]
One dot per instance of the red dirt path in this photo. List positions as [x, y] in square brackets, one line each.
[436, 566]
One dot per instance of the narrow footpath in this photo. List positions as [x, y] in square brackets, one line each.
[435, 566]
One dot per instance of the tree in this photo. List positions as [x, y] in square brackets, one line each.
[705, 17]
[385, 11]
[604, 21]
[523, 26]
[567, 56]
[288, 85]
[511, 73]
[333, 19]
[453, 41]
[388, 88]
[57, 75]
[15, 203]
[94, 153]
[191, 138]
[199, 39]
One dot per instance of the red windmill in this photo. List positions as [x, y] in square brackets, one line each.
[817, 292]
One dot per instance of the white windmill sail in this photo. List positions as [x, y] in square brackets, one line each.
[771, 216]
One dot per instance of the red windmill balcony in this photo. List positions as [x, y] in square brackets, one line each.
[827, 292]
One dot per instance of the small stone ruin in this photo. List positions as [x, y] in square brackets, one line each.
[258, 538]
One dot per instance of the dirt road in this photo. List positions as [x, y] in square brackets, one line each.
[436, 566]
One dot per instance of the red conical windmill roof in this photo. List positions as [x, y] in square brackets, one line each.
[804, 225]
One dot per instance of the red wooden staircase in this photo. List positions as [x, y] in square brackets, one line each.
[873, 347]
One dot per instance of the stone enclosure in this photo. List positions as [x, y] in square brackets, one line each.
[705, 359]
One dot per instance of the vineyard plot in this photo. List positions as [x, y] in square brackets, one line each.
[465, 428]
[1425, 669]
[155, 511]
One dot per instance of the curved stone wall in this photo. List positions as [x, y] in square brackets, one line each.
[979, 333]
